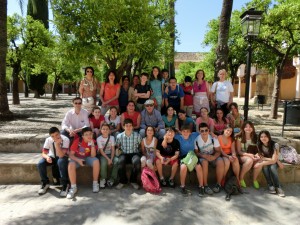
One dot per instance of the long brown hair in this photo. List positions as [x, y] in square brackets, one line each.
[242, 135]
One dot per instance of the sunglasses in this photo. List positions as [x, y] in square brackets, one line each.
[77, 103]
[89, 71]
[148, 105]
[202, 131]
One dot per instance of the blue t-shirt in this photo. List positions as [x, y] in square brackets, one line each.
[186, 145]
[187, 121]
[174, 96]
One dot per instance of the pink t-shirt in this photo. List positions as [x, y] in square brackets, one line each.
[199, 87]
[210, 122]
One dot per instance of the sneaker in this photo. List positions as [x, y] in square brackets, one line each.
[243, 183]
[64, 191]
[171, 183]
[207, 190]
[217, 188]
[44, 188]
[71, 193]
[135, 186]
[102, 183]
[272, 190]
[280, 192]
[95, 187]
[183, 191]
[163, 182]
[201, 191]
[256, 184]
[120, 186]
[109, 183]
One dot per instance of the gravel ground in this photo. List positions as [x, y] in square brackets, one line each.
[36, 116]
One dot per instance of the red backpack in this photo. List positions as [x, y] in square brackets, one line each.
[150, 181]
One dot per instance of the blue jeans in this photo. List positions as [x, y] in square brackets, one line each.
[59, 169]
[271, 175]
[133, 159]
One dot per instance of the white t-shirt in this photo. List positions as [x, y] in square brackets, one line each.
[223, 90]
[112, 123]
[101, 143]
[206, 147]
[48, 145]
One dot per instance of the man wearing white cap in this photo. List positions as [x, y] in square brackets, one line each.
[152, 117]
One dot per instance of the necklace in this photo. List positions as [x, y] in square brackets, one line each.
[90, 83]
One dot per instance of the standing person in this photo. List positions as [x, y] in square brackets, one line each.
[201, 92]
[247, 137]
[167, 153]
[135, 116]
[88, 89]
[109, 92]
[228, 153]
[96, 121]
[222, 93]
[131, 93]
[113, 120]
[174, 95]
[187, 141]
[188, 95]
[128, 142]
[156, 86]
[124, 94]
[220, 122]
[54, 154]
[170, 119]
[152, 117]
[165, 83]
[268, 151]
[83, 152]
[142, 91]
[75, 120]
[208, 151]
[148, 146]
[106, 147]
[236, 119]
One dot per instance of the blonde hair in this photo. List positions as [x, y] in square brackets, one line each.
[222, 70]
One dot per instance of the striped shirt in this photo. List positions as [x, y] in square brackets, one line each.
[129, 144]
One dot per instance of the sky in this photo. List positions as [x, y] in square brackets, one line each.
[192, 17]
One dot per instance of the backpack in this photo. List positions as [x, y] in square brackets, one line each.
[150, 181]
[190, 160]
[289, 154]
[232, 187]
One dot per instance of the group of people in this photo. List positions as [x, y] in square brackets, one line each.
[150, 124]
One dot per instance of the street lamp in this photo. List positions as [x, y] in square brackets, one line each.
[250, 21]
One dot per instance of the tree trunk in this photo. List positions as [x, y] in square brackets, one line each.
[5, 114]
[26, 93]
[222, 47]
[54, 89]
[70, 89]
[15, 82]
[172, 36]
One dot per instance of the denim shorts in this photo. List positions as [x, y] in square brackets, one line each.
[88, 161]
[213, 163]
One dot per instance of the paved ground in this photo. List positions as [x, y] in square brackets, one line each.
[20, 204]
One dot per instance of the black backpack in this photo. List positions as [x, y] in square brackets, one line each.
[232, 187]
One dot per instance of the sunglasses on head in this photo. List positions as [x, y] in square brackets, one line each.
[148, 105]
[202, 131]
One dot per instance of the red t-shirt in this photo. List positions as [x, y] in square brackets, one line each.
[84, 150]
[97, 122]
[188, 97]
[132, 117]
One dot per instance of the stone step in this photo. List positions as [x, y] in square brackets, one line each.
[33, 143]
[21, 168]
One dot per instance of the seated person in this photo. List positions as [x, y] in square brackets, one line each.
[167, 153]
[187, 140]
[183, 119]
[204, 118]
[128, 142]
[83, 152]
[135, 116]
[75, 119]
[54, 154]
[152, 117]
[113, 120]
[170, 119]
[96, 120]
[148, 146]
[220, 122]
[208, 150]
[236, 119]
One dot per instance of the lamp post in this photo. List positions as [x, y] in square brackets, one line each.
[250, 21]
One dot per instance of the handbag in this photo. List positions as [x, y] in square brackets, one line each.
[98, 153]
[190, 160]
[100, 102]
